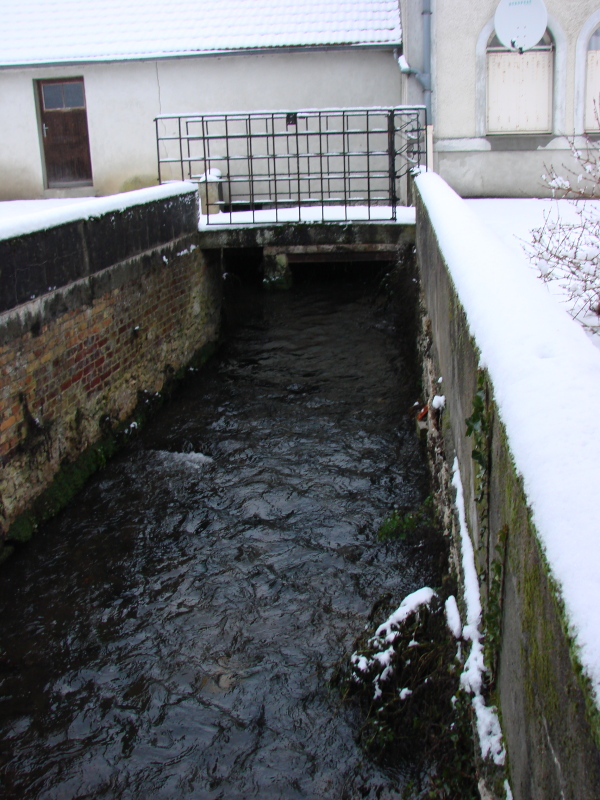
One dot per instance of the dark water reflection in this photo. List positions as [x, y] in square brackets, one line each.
[171, 634]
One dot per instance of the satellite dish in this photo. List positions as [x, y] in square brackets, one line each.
[520, 24]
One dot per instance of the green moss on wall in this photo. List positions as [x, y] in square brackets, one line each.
[555, 689]
[72, 476]
[549, 711]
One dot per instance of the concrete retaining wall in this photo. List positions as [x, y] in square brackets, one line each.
[81, 361]
[548, 713]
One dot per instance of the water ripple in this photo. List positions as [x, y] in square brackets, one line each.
[170, 635]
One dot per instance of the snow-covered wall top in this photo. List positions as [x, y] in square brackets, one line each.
[67, 31]
[49, 215]
[44, 251]
[546, 378]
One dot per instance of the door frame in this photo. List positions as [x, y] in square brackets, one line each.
[37, 89]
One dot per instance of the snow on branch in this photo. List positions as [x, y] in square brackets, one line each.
[569, 253]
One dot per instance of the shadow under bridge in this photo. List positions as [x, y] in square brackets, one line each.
[277, 247]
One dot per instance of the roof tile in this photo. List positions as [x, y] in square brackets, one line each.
[66, 31]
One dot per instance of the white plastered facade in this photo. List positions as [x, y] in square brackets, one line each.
[474, 162]
[123, 98]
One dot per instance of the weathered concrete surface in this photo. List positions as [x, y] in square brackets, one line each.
[303, 242]
[310, 234]
[39, 262]
[335, 252]
[548, 715]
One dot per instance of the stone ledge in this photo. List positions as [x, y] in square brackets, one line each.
[35, 263]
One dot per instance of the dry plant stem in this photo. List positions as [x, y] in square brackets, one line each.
[569, 253]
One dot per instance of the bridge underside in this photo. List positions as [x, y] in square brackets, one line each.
[283, 245]
[319, 241]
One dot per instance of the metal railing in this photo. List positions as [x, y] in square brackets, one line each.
[334, 164]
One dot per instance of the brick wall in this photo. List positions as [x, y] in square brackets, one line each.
[74, 362]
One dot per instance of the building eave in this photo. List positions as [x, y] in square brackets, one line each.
[128, 58]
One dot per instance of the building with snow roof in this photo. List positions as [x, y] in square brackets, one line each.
[501, 119]
[82, 80]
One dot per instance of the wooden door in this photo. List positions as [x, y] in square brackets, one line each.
[65, 132]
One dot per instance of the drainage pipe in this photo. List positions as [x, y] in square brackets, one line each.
[424, 75]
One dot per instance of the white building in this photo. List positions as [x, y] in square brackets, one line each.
[500, 118]
[81, 81]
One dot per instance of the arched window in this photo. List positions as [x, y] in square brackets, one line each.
[520, 87]
[592, 84]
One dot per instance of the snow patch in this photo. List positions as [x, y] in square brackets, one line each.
[211, 176]
[408, 606]
[453, 617]
[405, 215]
[38, 215]
[360, 662]
[42, 32]
[514, 222]
[471, 679]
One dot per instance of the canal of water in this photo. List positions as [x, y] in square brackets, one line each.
[171, 634]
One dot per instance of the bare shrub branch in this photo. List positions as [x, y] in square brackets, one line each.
[568, 253]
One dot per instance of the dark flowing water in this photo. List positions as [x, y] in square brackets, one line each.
[171, 634]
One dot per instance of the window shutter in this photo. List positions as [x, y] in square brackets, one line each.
[520, 92]
[592, 91]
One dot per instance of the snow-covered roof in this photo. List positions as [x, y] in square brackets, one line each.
[71, 31]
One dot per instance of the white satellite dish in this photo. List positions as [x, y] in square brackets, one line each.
[520, 24]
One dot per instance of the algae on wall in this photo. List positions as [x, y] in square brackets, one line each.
[549, 716]
[128, 334]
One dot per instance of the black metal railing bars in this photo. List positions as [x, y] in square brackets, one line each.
[334, 164]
